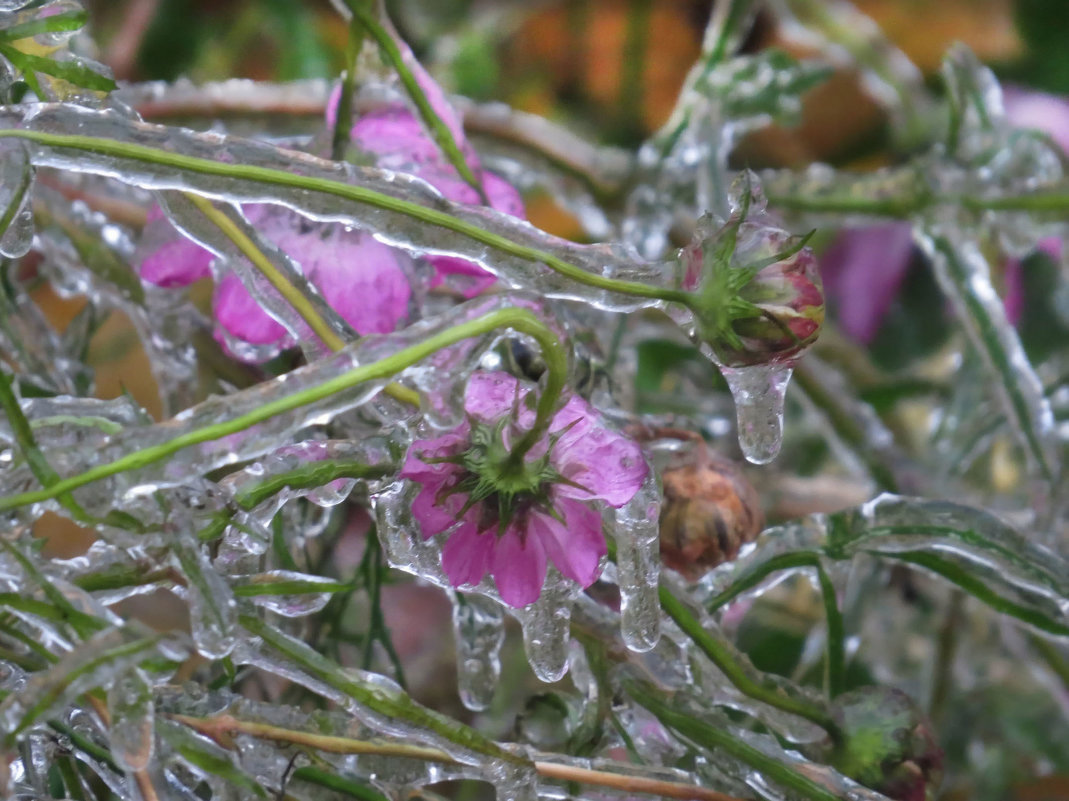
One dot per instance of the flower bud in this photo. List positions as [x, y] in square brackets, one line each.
[710, 510]
[756, 291]
[887, 744]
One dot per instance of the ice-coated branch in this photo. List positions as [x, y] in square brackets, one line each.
[362, 367]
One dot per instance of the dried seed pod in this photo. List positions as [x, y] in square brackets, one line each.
[710, 510]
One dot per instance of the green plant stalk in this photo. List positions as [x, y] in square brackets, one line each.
[343, 122]
[56, 689]
[289, 292]
[307, 476]
[270, 177]
[711, 737]
[340, 784]
[39, 466]
[987, 341]
[520, 320]
[725, 661]
[785, 561]
[978, 589]
[836, 652]
[396, 706]
[443, 137]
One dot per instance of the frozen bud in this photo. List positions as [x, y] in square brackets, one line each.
[755, 291]
[710, 510]
[887, 743]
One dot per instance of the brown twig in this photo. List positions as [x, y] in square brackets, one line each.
[221, 728]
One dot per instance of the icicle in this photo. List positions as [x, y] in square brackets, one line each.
[759, 393]
[546, 627]
[479, 631]
[637, 535]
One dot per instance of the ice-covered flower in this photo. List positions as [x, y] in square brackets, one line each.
[512, 519]
[757, 292]
[362, 279]
[396, 140]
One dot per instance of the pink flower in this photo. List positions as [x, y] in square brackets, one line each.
[513, 527]
[397, 141]
[862, 271]
[362, 279]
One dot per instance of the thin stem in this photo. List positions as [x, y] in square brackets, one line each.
[520, 320]
[289, 292]
[343, 120]
[726, 661]
[222, 727]
[836, 653]
[359, 194]
[249, 250]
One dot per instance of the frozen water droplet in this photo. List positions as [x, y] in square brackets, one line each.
[758, 392]
[286, 592]
[18, 238]
[478, 626]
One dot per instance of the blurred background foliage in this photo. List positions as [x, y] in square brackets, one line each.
[613, 67]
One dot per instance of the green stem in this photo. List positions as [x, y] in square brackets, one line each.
[721, 656]
[836, 653]
[250, 251]
[359, 194]
[39, 466]
[520, 320]
[343, 122]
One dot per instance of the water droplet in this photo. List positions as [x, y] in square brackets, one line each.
[758, 392]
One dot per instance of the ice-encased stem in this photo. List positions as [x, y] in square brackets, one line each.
[964, 277]
[382, 202]
[177, 435]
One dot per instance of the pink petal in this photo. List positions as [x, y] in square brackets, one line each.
[574, 546]
[1047, 113]
[242, 316]
[474, 280]
[397, 138]
[467, 554]
[362, 279]
[607, 465]
[862, 271]
[519, 567]
[172, 259]
[434, 507]
[491, 395]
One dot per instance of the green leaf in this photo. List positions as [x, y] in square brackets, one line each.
[75, 71]
[57, 23]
